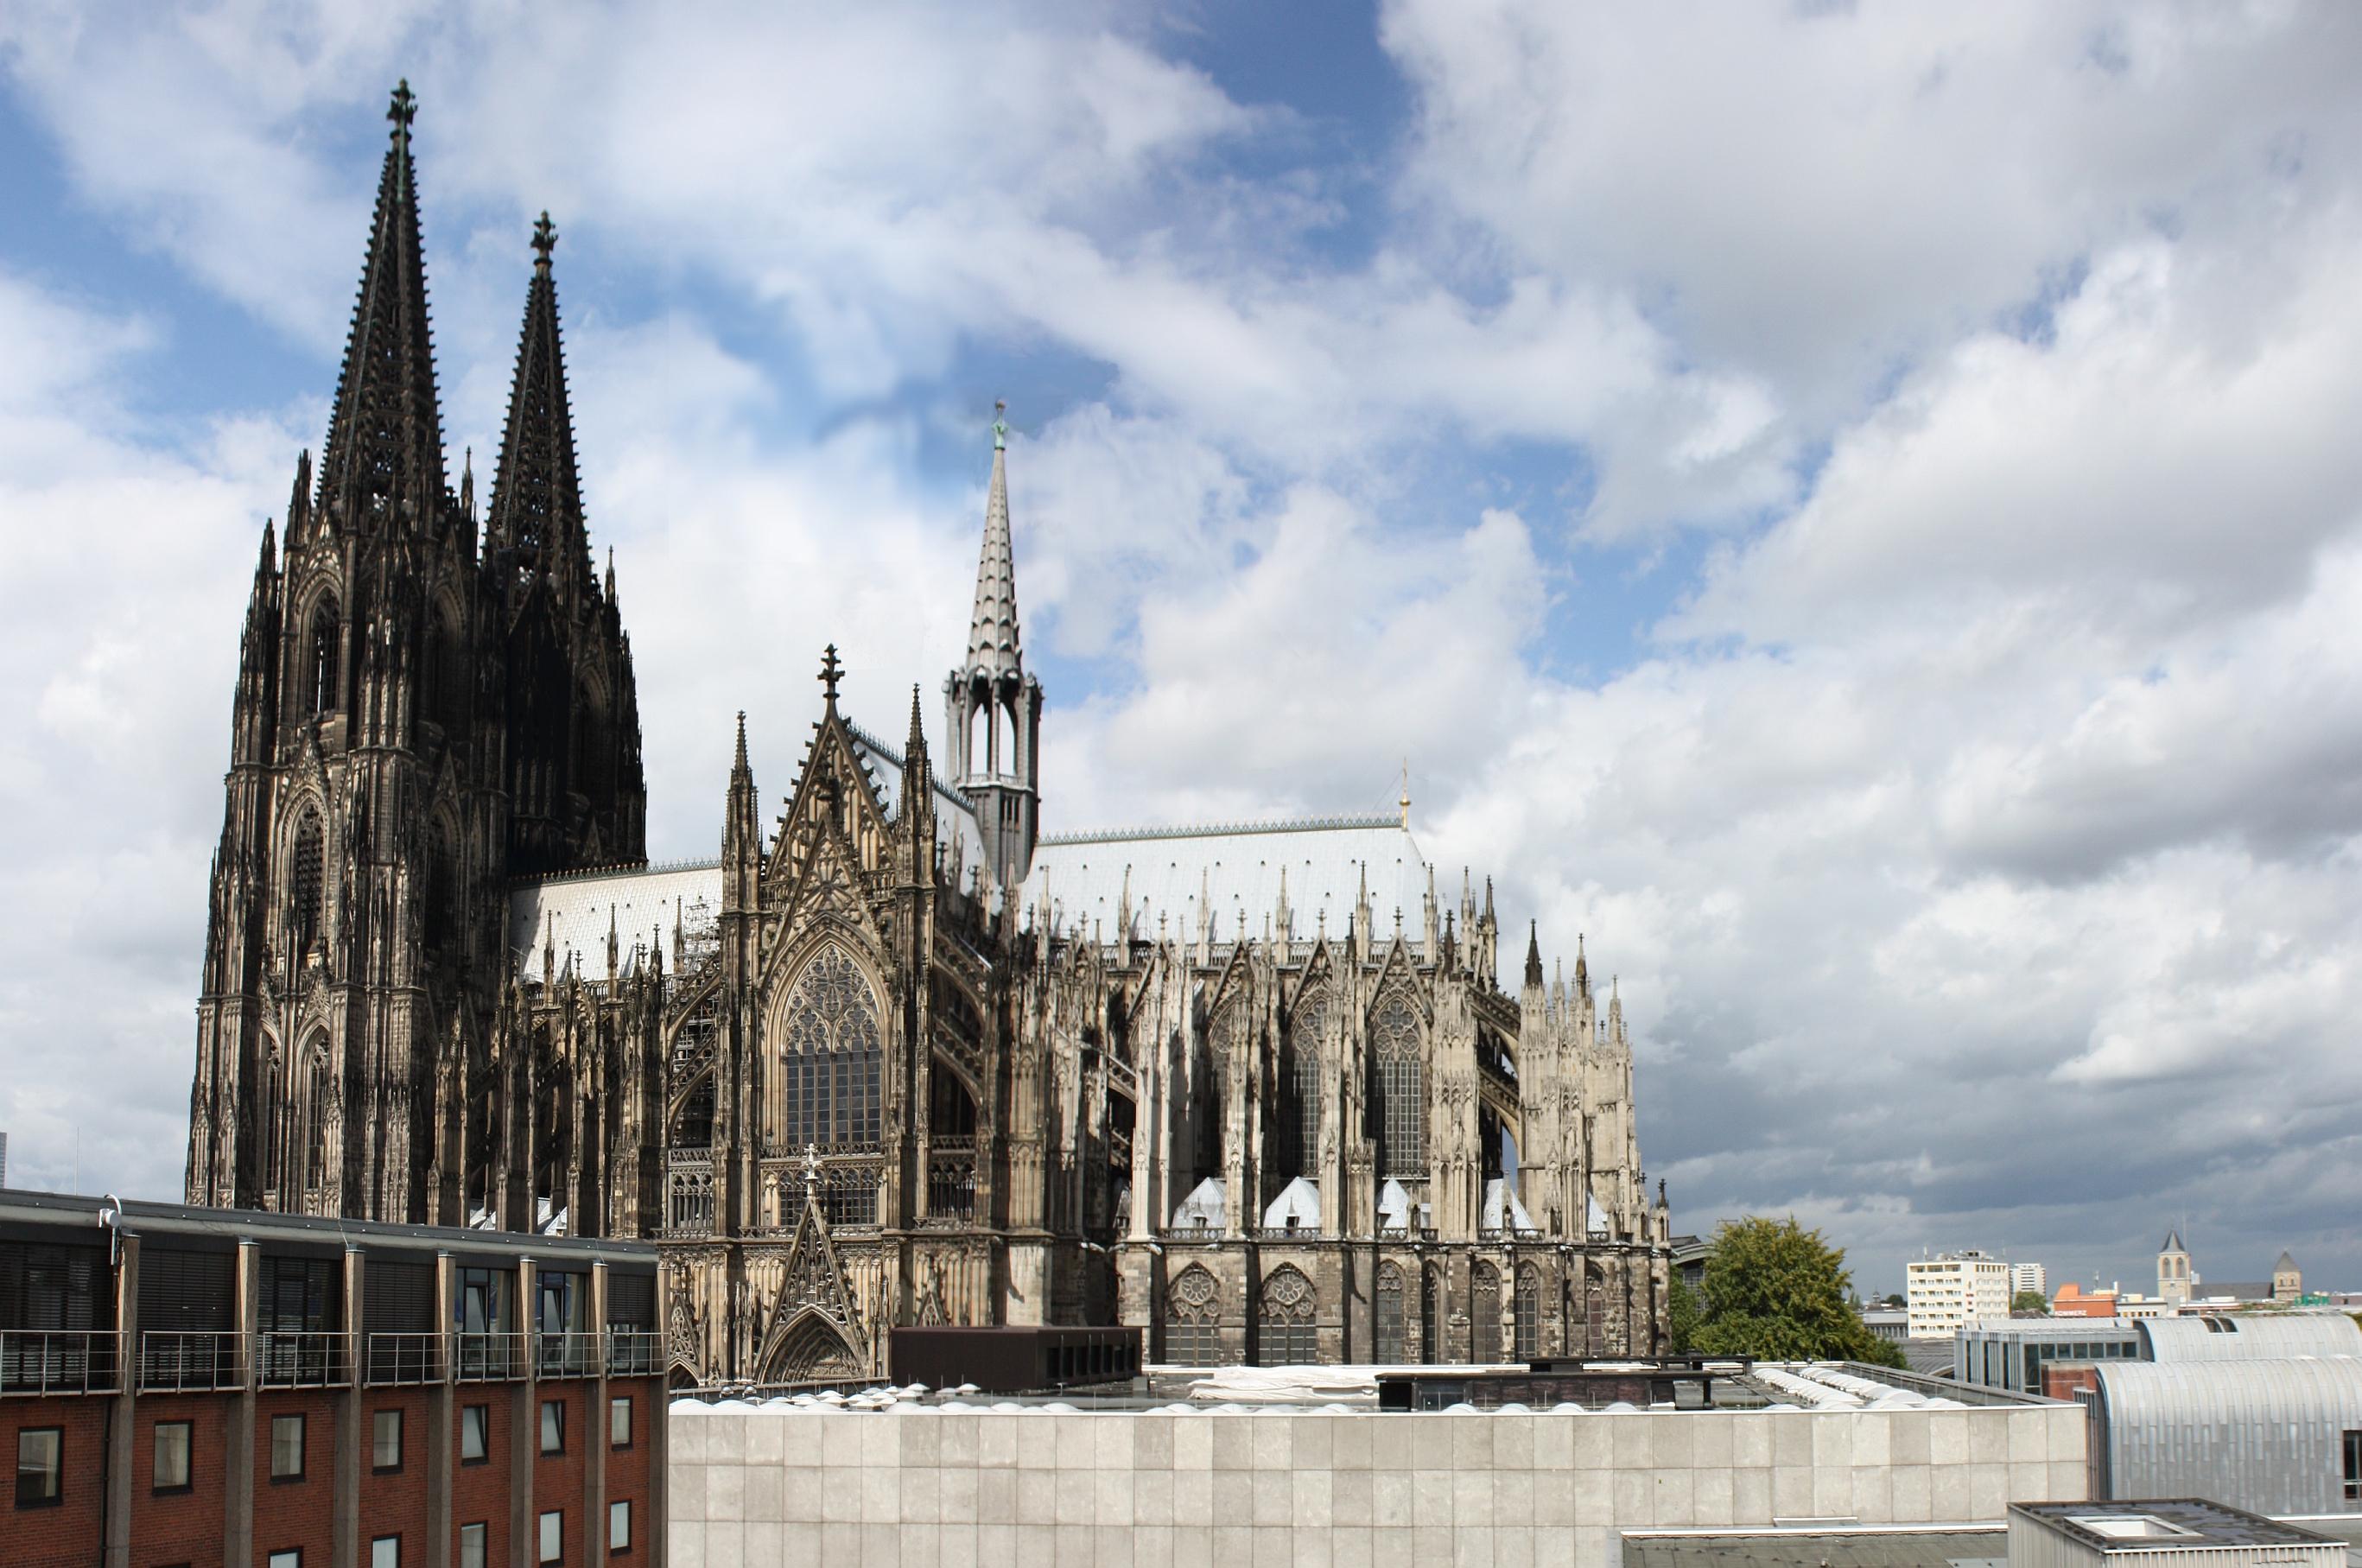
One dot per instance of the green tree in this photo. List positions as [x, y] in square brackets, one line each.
[1682, 1316]
[1776, 1290]
[2030, 1301]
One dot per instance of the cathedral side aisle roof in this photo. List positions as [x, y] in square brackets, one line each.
[1237, 869]
[572, 914]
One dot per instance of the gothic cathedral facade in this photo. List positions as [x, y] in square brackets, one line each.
[897, 1057]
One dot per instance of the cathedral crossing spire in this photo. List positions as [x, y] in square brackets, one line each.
[992, 644]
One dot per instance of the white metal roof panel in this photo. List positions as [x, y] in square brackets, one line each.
[572, 912]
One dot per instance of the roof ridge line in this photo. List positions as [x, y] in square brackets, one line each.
[902, 761]
[1210, 830]
[620, 869]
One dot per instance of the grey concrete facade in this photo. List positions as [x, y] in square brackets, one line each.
[1216, 1490]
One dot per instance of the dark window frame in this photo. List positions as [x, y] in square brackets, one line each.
[378, 1541]
[485, 1413]
[188, 1460]
[400, 1448]
[541, 1519]
[2353, 1455]
[625, 1504]
[57, 1474]
[292, 1556]
[483, 1530]
[303, 1451]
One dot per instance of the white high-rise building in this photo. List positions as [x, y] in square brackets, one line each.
[1954, 1290]
[2025, 1277]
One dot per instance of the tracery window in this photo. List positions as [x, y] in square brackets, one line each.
[1300, 1120]
[1285, 1334]
[1431, 1313]
[830, 1056]
[1192, 1318]
[317, 1153]
[304, 883]
[1390, 1345]
[1526, 1310]
[1401, 1084]
[321, 685]
[1484, 1314]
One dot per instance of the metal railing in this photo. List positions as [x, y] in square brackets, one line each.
[634, 1352]
[60, 1361]
[307, 1359]
[486, 1358]
[393, 1358]
[173, 1361]
[574, 1353]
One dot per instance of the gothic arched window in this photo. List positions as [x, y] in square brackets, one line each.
[1390, 1347]
[1299, 1121]
[1285, 1334]
[304, 888]
[1401, 1109]
[1483, 1314]
[1526, 1310]
[1431, 1313]
[1193, 1311]
[444, 699]
[316, 1154]
[320, 685]
[831, 1056]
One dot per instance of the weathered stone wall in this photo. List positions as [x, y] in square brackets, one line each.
[1207, 1490]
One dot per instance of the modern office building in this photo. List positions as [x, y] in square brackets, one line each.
[219, 1388]
[1952, 1290]
[2025, 1277]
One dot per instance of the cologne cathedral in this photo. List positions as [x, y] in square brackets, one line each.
[896, 1056]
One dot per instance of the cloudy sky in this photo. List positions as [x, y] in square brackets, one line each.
[1857, 508]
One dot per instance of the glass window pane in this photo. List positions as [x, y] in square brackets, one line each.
[38, 1463]
[619, 1422]
[286, 1446]
[385, 1433]
[474, 1421]
[385, 1552]
[553, 1426]
[471, 1546]
[619, 1525]
[553, 1536]
[172, 1455]
[291, 1558]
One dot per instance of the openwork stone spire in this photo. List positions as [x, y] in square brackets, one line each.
[992, 650]
[385, 436]
[536, 492]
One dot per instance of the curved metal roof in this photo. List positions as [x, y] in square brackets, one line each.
[2261, 1435]
[2248, 1336]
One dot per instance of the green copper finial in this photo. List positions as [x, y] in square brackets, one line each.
[999, 424]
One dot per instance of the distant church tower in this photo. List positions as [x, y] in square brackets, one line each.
[416, 721]
[993, 706]
[2173, 1280]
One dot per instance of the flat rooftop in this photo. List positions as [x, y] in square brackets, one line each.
[2166, 1523]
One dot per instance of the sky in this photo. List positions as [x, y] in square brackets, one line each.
[1854, 509]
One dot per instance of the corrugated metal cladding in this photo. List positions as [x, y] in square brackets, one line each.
[2260, 1435]
[2249, 1336]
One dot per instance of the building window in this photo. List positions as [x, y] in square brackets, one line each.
[475, 1433]
[40, 1467]
[619, 1423]
[553, 1426]
[619, 1527]
[1528, 1309]
[1431, 1314]
[287, 1557]
[553, 1536]
[385, 1552]
[1484, 1314]
[172, 1456]
[471, 1546]
[385, 1439]
[832, 1057]
[1285, 1334]
[1389, 1347]
[287, 1448]
[1192, 1318]
[2354, 1467]
[1402, 1096]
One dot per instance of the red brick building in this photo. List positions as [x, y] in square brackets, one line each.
[219, 1388]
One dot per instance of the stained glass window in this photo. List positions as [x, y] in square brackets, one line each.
[1285, 1334]
[1484, 1314]
[1192, 1320]
[1401, 1084]
[1390, 1342]
[831, 1056]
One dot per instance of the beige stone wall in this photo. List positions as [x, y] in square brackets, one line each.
[1212, 1491]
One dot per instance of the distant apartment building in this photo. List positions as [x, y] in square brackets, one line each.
[2025, 1277]
[216, 1388]
[1953, 1291]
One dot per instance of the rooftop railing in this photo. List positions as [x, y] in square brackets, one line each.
[634, 1352]
[392, 1360]
[176, 1360]
[60, 1361]
[575, 1353]
[307, 1359]
[488, 1358]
